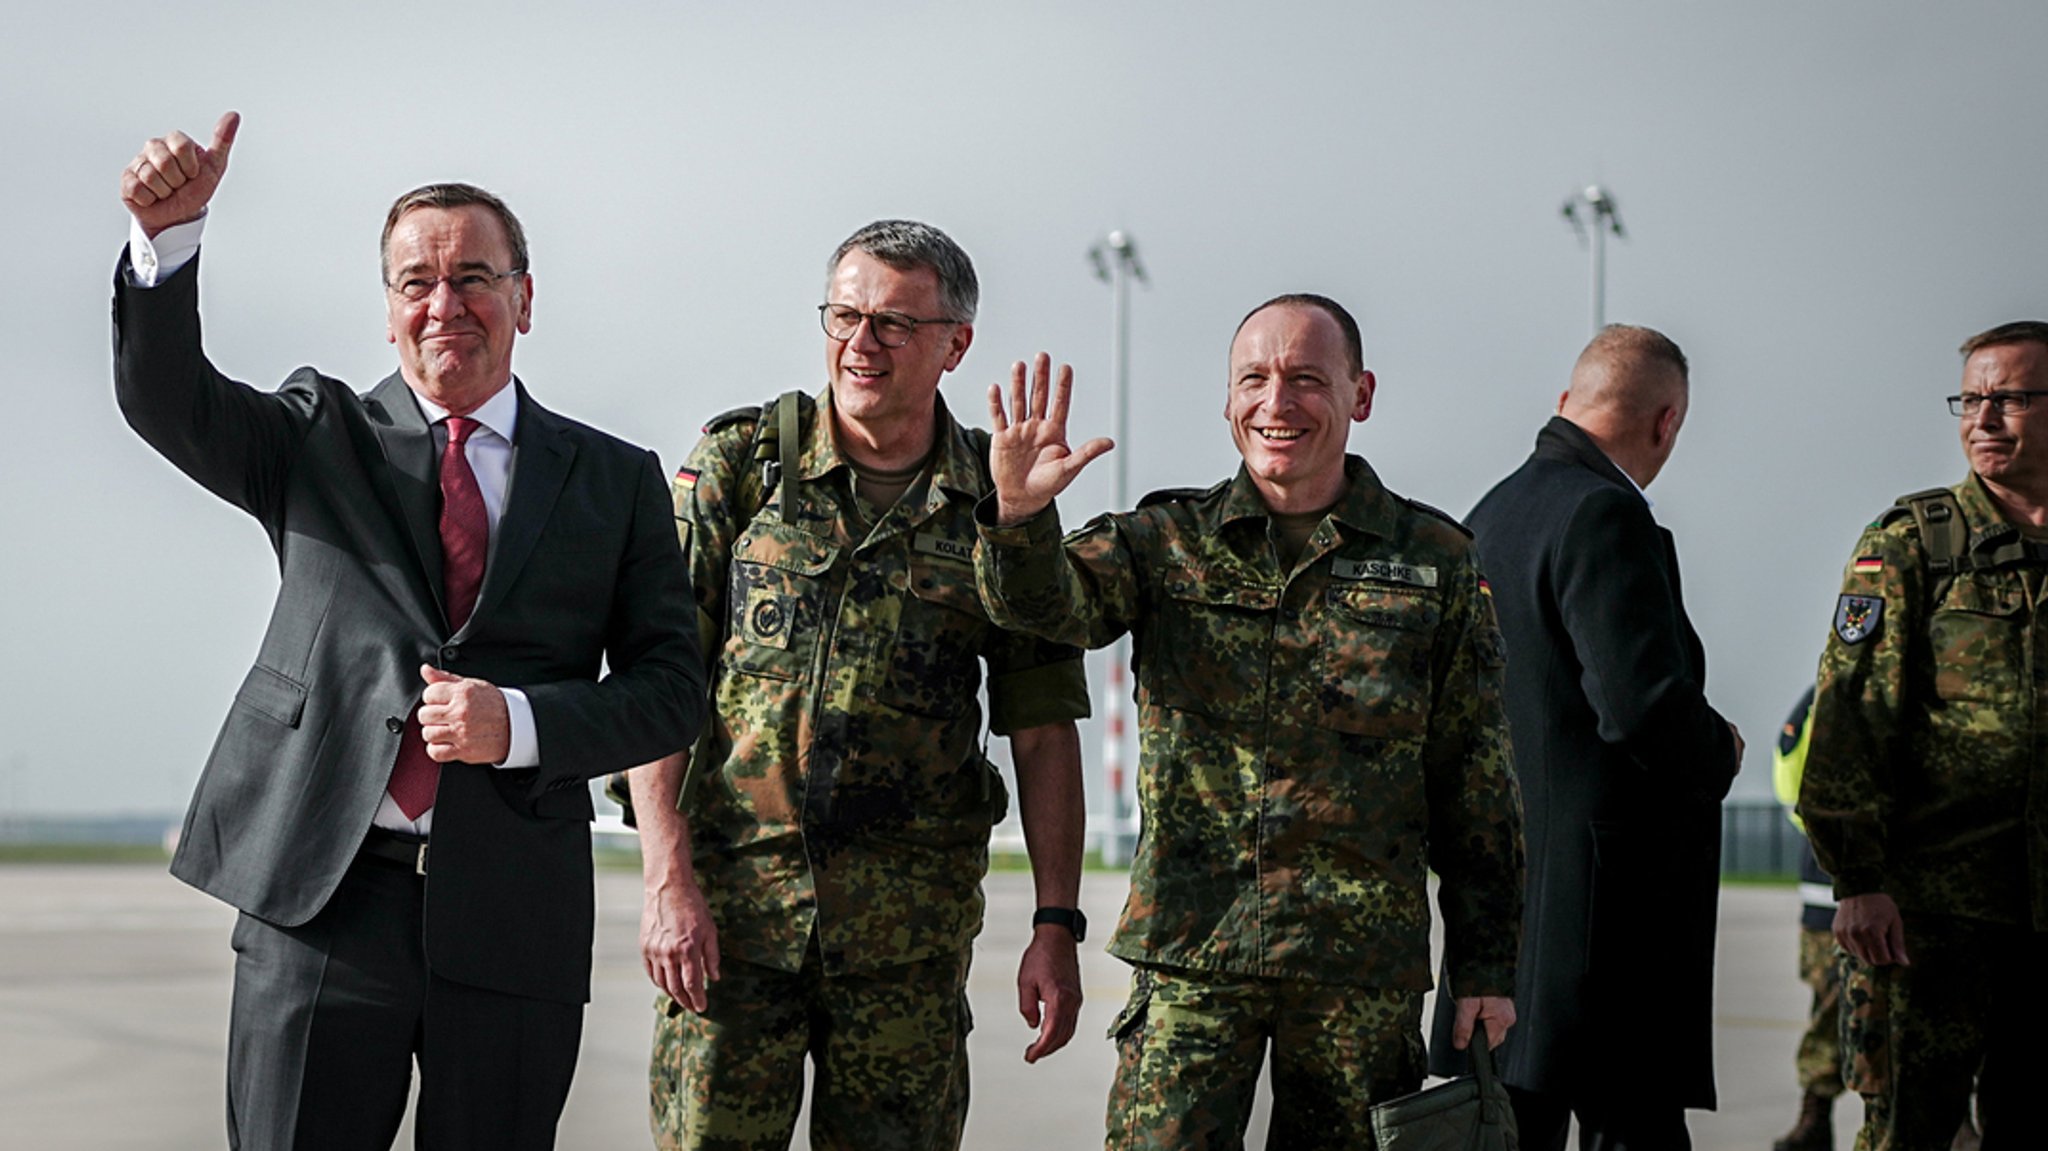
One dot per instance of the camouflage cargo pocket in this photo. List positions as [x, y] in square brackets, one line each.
[1376, 659]
[776, 589]
[934, 666]
[1976, 636]
[1216, 638]
[1131, 1019]
[1866, 1025]
[668, 1101]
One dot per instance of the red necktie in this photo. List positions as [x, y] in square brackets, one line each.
[465, 539]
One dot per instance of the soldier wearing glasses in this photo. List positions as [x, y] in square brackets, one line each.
[837, 818]
[1926, 788]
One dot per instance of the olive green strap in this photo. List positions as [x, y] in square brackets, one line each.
[787, 433]
[1942, 530]
[1947, 538]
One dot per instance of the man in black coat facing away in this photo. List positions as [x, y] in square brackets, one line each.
[1622, 765]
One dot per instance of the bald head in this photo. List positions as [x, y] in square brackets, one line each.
[1629, 392]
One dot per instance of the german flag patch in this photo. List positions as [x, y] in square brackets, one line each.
[686, 478]
[1867, 565]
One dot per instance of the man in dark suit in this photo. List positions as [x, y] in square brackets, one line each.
[1622, 765]
[397, 802]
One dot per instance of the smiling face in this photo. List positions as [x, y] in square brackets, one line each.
[2011, 450]
[877, 385]
[455, 348]
[1294, 394]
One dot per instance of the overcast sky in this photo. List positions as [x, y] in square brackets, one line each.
[1822, 200]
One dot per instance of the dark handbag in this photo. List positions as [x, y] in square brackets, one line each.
[1470, 1113]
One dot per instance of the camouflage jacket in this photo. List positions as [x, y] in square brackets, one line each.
[842, 789]
[1311, 742]
[1927, 771]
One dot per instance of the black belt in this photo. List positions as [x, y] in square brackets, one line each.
[397, 847]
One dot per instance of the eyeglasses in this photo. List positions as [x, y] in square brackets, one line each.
[468, 285]
[2004, 403]
[891, 329]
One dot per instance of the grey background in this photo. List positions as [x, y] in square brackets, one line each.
[1823, 199]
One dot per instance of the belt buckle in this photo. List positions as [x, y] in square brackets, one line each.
[420, 865]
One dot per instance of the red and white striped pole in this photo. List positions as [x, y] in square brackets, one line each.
[1116, 262]
[1116, 840]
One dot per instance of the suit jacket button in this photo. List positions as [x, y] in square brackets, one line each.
[450, 653]
[393, 724]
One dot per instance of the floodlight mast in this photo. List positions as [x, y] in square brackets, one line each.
[1115, 260]
[1594, 210]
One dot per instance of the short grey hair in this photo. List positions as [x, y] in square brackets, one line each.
[907, 244]
[452, 195]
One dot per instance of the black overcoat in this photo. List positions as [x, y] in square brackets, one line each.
[1622, 766]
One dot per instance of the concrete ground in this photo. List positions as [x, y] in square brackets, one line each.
[114, 987]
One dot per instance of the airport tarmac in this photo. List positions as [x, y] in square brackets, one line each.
[114, 987]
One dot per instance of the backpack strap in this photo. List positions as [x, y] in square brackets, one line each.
[1944, 535]
[1947, 537]
[789, 434]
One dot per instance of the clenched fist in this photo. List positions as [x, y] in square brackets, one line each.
[462, 719]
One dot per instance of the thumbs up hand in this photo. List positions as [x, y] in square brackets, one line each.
[172, 178]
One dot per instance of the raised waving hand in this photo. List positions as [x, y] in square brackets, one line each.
[172, 178]
[1028, 453]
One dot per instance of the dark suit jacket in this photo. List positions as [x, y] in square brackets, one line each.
[1622, 766]
[584, 567]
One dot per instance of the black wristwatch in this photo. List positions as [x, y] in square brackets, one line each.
[1067, 917]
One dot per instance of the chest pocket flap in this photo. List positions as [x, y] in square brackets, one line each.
[1223, 593]
[785, 548]
[1381, 605]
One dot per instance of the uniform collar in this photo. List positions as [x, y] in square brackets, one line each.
[1980, 511]
[1366, 506]
[956, 464]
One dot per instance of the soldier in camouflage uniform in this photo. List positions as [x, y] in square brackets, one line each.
[1319, 693]
[1818, 1061]
[825, 866]
[1926, 788]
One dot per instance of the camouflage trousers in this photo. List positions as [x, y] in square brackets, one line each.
[1914, 1036]
[888, 1051]
[1190, 1045]
[1819, 1061]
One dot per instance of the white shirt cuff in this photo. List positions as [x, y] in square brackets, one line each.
[173, 248]
[525, 750]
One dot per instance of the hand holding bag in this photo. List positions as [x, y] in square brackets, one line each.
[1470, 1113]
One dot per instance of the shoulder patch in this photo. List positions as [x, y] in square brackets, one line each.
[723, 420]
[1857, 617]
[1439, 513]
[1178, 495]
